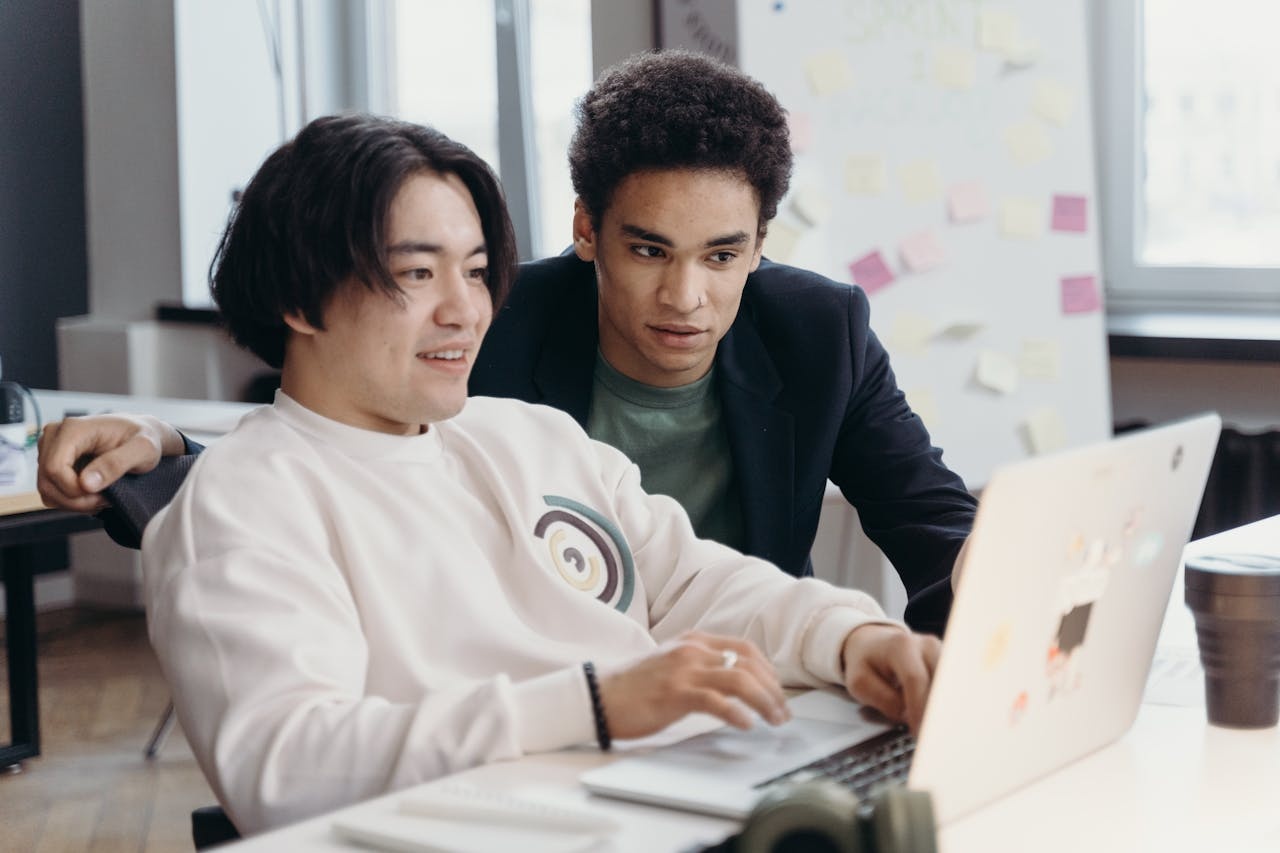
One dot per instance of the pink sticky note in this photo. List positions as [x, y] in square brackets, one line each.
[967, 202]
[921, 251]
[801, 126]
[871, 273]
[1069, 213]
[1080, 294]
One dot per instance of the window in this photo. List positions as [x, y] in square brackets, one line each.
[1188, 131]
[445, 72]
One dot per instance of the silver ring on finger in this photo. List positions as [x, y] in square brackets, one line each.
[728, 658]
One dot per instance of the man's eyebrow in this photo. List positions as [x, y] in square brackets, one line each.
[737, 238]
[409, 247]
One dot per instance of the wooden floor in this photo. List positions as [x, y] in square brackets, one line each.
[101, 694]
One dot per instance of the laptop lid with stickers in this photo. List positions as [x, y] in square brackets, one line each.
[1059, 604]
[1058, 608]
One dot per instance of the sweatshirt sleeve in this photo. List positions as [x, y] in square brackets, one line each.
[262, 644]
[696, 584]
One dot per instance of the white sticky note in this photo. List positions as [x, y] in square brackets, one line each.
[924, 403]
[864, 174]
[1053, 101]
[780, 241]
[911, 333]
[1028, 143]
[1041, 358]
[921, 180]
[997, 30]
[921, 251]
[811, 205]
[960, 328]
[828, 73]
[954, 68]
[1022, 218]
[1045, 430]
[997, 372]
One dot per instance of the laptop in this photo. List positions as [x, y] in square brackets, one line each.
[1058, 607]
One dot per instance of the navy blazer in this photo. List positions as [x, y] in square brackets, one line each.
[807, 394]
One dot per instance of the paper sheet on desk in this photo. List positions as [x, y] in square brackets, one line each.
[390, 830]
[1176, 679]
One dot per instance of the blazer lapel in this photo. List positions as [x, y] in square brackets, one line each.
[761, 438]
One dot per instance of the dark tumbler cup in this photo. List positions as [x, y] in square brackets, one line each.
[1235, 599]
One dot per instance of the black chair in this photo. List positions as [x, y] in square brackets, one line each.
[135, 499]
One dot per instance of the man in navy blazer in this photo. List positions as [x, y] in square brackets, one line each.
[738, 386]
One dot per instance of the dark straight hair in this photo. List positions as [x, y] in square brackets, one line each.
[314, 217]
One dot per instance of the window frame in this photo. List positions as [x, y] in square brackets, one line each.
[1134, 287]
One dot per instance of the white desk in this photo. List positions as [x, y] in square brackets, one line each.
[1172, 783]
[202, 420]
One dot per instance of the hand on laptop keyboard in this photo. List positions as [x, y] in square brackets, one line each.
[890, 669]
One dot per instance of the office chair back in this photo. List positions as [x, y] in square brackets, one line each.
[136, 498]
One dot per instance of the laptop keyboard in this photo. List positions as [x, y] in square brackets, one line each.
[864, 768]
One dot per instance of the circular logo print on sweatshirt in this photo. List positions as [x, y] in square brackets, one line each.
[588, 551]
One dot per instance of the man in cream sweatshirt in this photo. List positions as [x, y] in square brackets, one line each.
[377, 581]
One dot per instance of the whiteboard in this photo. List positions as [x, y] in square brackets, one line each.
[945, 147]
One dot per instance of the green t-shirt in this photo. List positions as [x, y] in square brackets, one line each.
[677, 438]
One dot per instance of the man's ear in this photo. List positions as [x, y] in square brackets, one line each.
[759, 249]
[299, 324]
[584, 232]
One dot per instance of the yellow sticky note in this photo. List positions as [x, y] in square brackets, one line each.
[997, 646]
[828, 73]
[997, 372]
[924, 404]
[1045, 430]
[1041, 358]
[864, 174]
[780, 241]
[921, 180]
[1022, 54]
[997, 30]
[811, 205]
[911, 333]
[954, 68]
[1022, 218]
[1053, 101]
[1028, 142]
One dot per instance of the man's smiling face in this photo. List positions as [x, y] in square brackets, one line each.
[672, 253]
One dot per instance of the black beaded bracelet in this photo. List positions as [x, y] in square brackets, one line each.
[597, 707]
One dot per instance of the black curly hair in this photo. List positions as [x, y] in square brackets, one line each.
[674, 109]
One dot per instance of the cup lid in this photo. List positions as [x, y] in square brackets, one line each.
[1235, 574]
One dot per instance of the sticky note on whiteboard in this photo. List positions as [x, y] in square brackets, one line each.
[828, 73]
[780, 241]
[996, 372]
[921, 180]
[1045, 430]
[1028, 143]
[864, 174]
[1053, 101]
[1080, 294]
[1069, 213]
[966, 202]
[911, 333]
[924, 403]
[954, 68]
[1022, 218]
[1041, 358]
[811, 205]
[921, 251]
[871, 273]
[997, 31]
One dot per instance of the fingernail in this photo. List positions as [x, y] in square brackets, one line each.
[93, 481]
